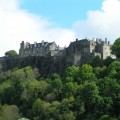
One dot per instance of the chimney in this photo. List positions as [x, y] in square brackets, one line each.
[97, 39]
[76, 39]
[105, 40]
[42, 42]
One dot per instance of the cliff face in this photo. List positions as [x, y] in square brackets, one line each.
[46, 65]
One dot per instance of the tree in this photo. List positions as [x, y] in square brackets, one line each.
[55, 76]
[30, 93]
[109, 87]
[40, 109]
[106, 117]
[66, 105]
[26, 73]
[11, 53]
[114, 70]
[100, 71]
[9, 112]
[6, 92]
[79, 106]
[89, 94]
[56, 87]
[108, 61]
[54, 110]
[86, 74]
[116, 47]
[96, 61]
[71, 74]
[69, 89]
[67, 116]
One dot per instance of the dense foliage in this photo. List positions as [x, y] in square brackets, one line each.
[116, 47]
[83, 93]
[11, 53]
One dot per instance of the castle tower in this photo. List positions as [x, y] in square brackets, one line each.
[22, 47]
[106, 49]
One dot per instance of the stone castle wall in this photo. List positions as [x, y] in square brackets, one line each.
[77, 53]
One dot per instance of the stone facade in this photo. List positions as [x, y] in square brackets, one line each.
[77, 53]
[85, 49]
[39, 49]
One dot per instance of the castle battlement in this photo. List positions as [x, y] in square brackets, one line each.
[79, 51]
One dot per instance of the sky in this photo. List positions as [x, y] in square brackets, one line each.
[61, 21]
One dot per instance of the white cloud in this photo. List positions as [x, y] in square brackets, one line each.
[101, 23]
[17, 24]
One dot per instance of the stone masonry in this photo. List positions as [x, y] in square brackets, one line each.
[77, 53]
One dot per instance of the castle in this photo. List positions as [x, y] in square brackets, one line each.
[77, 53]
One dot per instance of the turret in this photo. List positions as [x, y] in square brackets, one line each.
[35, 44]
[105, 40]
[76, 40]
[22, 45]
[42, 42]
[26, 45]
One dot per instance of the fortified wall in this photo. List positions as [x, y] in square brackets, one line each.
[50, 58]
[77, 53]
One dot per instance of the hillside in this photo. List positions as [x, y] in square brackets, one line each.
[81, 93]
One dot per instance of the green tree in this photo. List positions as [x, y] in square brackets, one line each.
[90, 94]
[71, 74]
[100, 72]
[67, 116]
[24, 74]
[96, 61]
[56, 87]
[106, 117]
[108, 61]
[66, 105]
[109, 90]
[30, 93]
[55, 76]
[86, 74]
[114, 70]
[54, 110]
[79, 106]
[11, 53]
[6, 92]
[9, 112]
[40, 109]
[108, 87]
[69, 89]
[116, 47]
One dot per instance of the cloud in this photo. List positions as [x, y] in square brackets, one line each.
[101, 23]
[17, 24]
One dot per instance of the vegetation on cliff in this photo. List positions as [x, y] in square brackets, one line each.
[116, 47]
[11, 53]
[83, 93]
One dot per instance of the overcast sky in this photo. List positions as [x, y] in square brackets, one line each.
[61, 21]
